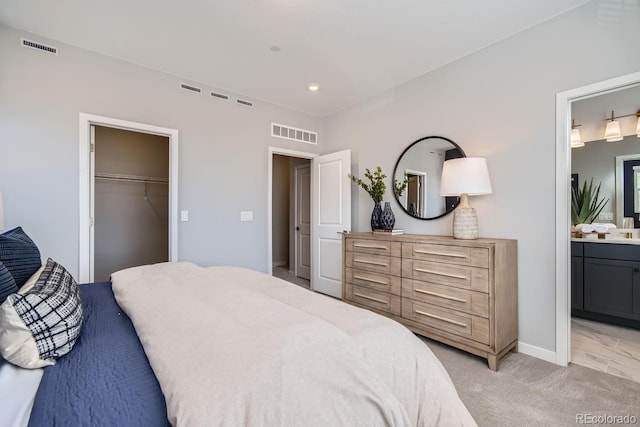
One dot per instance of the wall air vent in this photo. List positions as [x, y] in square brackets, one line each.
[243, 102]
[294, 134]
[35, 45]
[191, 88]
[219, 95]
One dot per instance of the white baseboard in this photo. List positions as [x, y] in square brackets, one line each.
[540, 353]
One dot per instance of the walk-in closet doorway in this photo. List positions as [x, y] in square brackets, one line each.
[131, 200]
[128, 196]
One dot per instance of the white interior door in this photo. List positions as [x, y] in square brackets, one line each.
[303, 221]
[331, 216]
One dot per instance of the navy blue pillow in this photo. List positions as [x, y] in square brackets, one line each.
[7, 283]
[19, 254]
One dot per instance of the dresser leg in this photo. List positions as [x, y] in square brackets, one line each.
[493, 362]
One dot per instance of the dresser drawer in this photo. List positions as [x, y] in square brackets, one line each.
[447, 296]
[460, 255]
[375, 263]
[462, 324]
[464, 277]
[376, 281]
[375, 247]
[373, 299]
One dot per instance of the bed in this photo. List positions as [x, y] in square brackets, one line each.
[183, 345]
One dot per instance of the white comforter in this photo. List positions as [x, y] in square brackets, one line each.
[234, 347]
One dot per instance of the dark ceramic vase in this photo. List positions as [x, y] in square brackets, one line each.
[387, 219]
[375, 216]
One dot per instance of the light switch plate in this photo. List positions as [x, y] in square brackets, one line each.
[246, 216]
[184, 215]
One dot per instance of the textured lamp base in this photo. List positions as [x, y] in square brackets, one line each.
[465, 223]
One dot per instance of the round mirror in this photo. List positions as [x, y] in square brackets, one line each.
[421, 165]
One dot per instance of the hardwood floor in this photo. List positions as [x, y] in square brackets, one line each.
[607, 348]
[289, 276]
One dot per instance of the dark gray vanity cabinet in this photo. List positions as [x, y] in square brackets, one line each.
[577, 298]
[605, 282]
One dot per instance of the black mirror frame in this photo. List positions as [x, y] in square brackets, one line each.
[396, 168]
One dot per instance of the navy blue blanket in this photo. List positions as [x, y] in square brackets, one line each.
[106, 380]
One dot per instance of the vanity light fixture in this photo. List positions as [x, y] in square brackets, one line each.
[576, 140]
[612, 132]
[313, 87]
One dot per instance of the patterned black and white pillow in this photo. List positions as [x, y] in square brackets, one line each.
[40, 326]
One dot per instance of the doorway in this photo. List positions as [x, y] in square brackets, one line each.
[564, 101]
[131, 199]
[291, 219]
[87, 187]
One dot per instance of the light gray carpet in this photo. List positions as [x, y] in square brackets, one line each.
[531, 392]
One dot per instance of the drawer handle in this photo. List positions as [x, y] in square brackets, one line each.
[435, 294]
[370, 298]
[439, 273]
[444, 319]
[367, 279]
[366, 261]
[360, 245]
[418, 251]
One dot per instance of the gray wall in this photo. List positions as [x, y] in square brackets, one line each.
[499, 103]
[223, 149]
[131, 218]
[280, 204]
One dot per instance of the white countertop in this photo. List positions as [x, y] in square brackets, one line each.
[615, 235]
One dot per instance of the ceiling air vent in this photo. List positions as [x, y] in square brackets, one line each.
[191, 88]
[243, 102]
[294, 134]
[219, 95]
[39, 46]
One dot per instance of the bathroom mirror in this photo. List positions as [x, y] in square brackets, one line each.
[421, 162]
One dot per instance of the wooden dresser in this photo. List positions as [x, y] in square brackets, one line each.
[460, 292]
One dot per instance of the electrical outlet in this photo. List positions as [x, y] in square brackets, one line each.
[184, 215]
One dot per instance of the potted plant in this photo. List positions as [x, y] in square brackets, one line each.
[586, 204]
[376, 188]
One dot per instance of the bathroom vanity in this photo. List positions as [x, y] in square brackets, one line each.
[605, 280]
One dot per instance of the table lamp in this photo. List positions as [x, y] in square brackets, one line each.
[467, 176]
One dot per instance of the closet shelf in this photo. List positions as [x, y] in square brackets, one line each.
[132, 178]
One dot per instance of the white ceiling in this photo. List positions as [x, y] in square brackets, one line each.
[354, 49]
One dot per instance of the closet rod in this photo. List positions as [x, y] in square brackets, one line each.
[132, 178]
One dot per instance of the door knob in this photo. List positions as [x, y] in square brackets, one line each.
[297, 228]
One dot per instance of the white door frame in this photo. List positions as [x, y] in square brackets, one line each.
[290, 153]
[86, 179]
[563, 203]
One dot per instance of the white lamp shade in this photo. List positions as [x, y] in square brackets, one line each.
[468, 175]
[576, 140]
[1, 213]
[612, 132]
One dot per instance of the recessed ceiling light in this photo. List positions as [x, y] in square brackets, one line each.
[313, 87]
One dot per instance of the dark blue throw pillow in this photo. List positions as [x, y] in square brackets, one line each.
[7, 283]
[19, 254]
